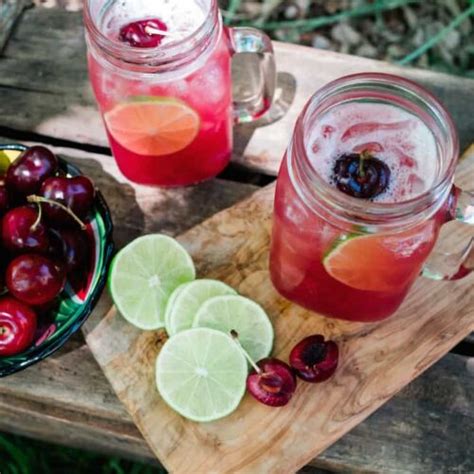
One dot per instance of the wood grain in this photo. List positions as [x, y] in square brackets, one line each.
[50, 93]
[377, 360]
[10, 10]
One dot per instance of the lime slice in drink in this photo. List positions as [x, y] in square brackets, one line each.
[201, 373]
[375, 262]
[187, 299]
[247, 318]
[143, 276]
[153, 126]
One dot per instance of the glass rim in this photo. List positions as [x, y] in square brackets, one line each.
[374, 212]
[167, 55]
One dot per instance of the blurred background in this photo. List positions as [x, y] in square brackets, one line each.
[429, 34]
[435, 34]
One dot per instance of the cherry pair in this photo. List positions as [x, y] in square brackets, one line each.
[273, 382]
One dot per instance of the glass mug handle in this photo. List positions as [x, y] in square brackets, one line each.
[453, 266]
[251, 40]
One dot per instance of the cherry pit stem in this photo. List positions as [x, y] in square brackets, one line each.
[37, 222]
[235, 337]
[150, 30]
[40, 199]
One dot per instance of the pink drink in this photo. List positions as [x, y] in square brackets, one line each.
[319, 258]
[161, 73]
[201, 89]
[208, 153]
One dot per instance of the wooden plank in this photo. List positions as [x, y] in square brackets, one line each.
[50, 93]
[69, 5]
[67, 400]
[377, 360]
[10, 11]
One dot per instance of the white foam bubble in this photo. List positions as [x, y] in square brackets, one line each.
[182, 17]
[394, 135]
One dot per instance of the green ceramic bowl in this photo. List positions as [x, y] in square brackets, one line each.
[76, 304]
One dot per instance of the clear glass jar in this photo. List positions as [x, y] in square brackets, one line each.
[168, 110]
[356, 259]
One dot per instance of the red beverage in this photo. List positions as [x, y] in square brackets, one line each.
[298, 253]
[350, 257]
[161, 74]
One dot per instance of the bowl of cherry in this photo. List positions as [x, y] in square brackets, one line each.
[55, 249]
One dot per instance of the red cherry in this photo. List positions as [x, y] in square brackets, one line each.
[30, 169]
[361, 175]
[77, 194]
[3, 288]
[70, 247]
[274, 383]
[34, 279]
[4, 198]
[143, 33]
[17, 326]
[44, 310]
[314, 359]
[23, 232]
[56, 248]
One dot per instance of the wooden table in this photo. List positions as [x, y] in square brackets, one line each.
[45, 97]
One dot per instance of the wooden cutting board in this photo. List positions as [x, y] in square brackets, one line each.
[376, 360]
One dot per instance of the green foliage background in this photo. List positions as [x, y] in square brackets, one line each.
[20, 455]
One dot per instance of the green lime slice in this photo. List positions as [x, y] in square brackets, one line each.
[170, 305]
[226, 313]
[201, 373]
[143, 276]
[187, 299]
[7, 157]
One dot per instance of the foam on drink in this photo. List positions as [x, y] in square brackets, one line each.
[393, 135]
[182, 17]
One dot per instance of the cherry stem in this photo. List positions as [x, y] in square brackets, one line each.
[150, 30]
[40, 199]
[38, 219]
[3, 331]
[235, 337]
[365, 155]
